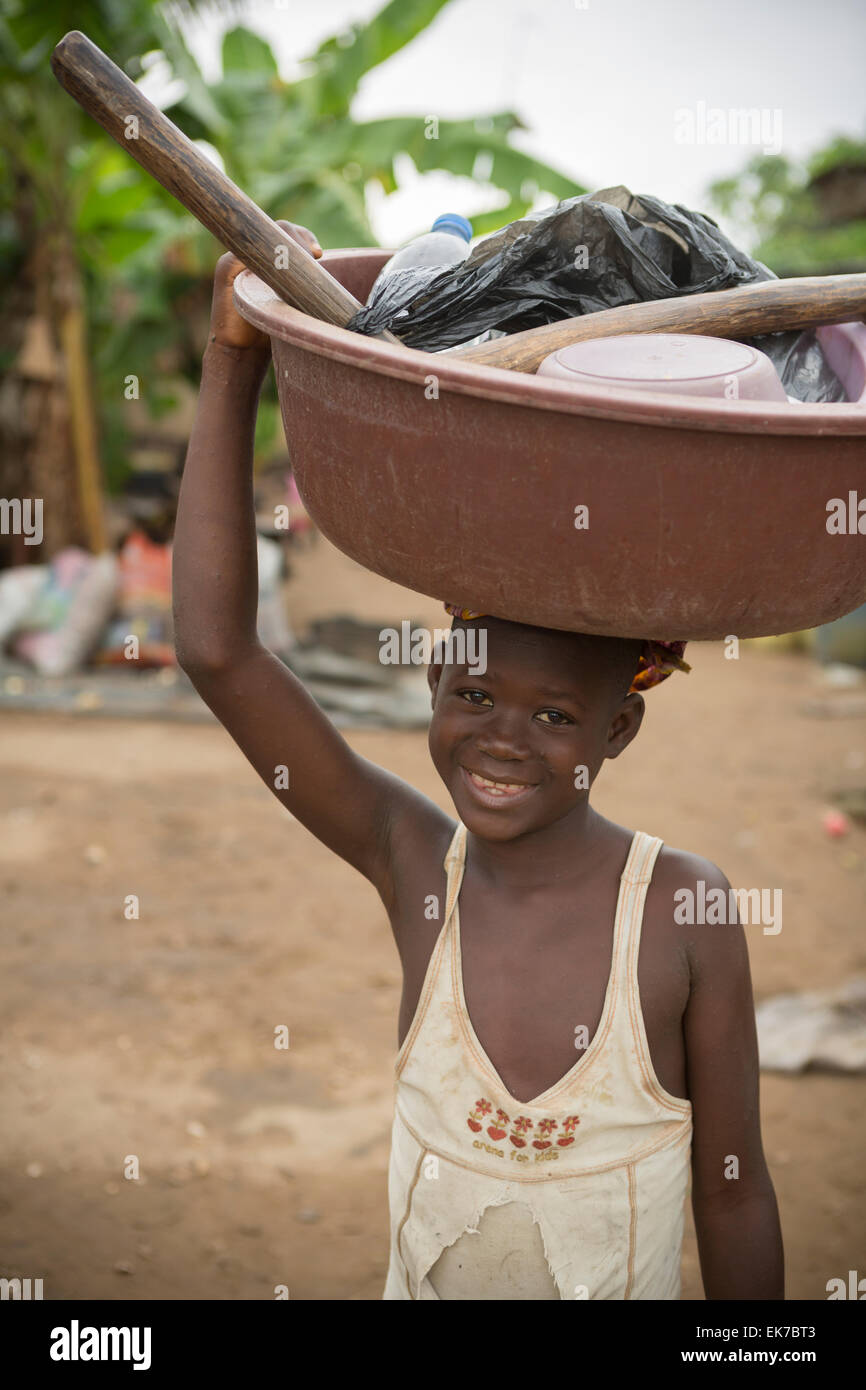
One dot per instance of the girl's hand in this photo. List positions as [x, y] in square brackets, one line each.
[227, 326]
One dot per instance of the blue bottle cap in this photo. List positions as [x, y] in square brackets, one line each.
[454, 223]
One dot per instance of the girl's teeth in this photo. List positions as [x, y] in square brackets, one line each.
[497, 786]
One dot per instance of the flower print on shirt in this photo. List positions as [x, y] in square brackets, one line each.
[569, 1126]
[522, 1126]
[482, 1108]
[545, 1129]
[496, 1129]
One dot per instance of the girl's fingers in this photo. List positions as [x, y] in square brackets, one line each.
[227, 269]
[303, 236]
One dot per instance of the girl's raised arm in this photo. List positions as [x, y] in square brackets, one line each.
[346, 801]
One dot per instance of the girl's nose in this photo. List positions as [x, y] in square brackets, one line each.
[505, 740]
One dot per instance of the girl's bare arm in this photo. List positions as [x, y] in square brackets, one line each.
[736, 1217]
[346, 801]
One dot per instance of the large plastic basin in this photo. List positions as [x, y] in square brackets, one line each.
[706, 518]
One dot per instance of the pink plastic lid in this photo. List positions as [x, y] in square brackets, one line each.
[679, 363]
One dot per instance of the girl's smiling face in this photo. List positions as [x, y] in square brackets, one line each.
[519, 746]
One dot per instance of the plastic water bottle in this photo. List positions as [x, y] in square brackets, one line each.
[445, 244]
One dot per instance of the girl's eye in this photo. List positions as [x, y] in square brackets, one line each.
[554, 717]
[470, 696]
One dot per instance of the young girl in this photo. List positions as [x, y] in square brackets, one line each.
[568, 1053]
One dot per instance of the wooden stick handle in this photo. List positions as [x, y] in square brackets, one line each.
[768, 307]
[109, 96]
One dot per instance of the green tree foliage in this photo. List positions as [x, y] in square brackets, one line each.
[783, 202]
[292, 146]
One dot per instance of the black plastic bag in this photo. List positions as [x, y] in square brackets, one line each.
[799, 359]
[595, 251]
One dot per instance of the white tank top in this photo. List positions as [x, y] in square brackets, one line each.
[594, 1171]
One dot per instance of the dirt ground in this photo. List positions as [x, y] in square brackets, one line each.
[151, 1041]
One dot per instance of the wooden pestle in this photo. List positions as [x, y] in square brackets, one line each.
[108, 95]
[768, 307]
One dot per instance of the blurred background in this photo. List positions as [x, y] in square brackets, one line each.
[151, 1035]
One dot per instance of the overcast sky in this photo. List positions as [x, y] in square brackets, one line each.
[610, 90]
